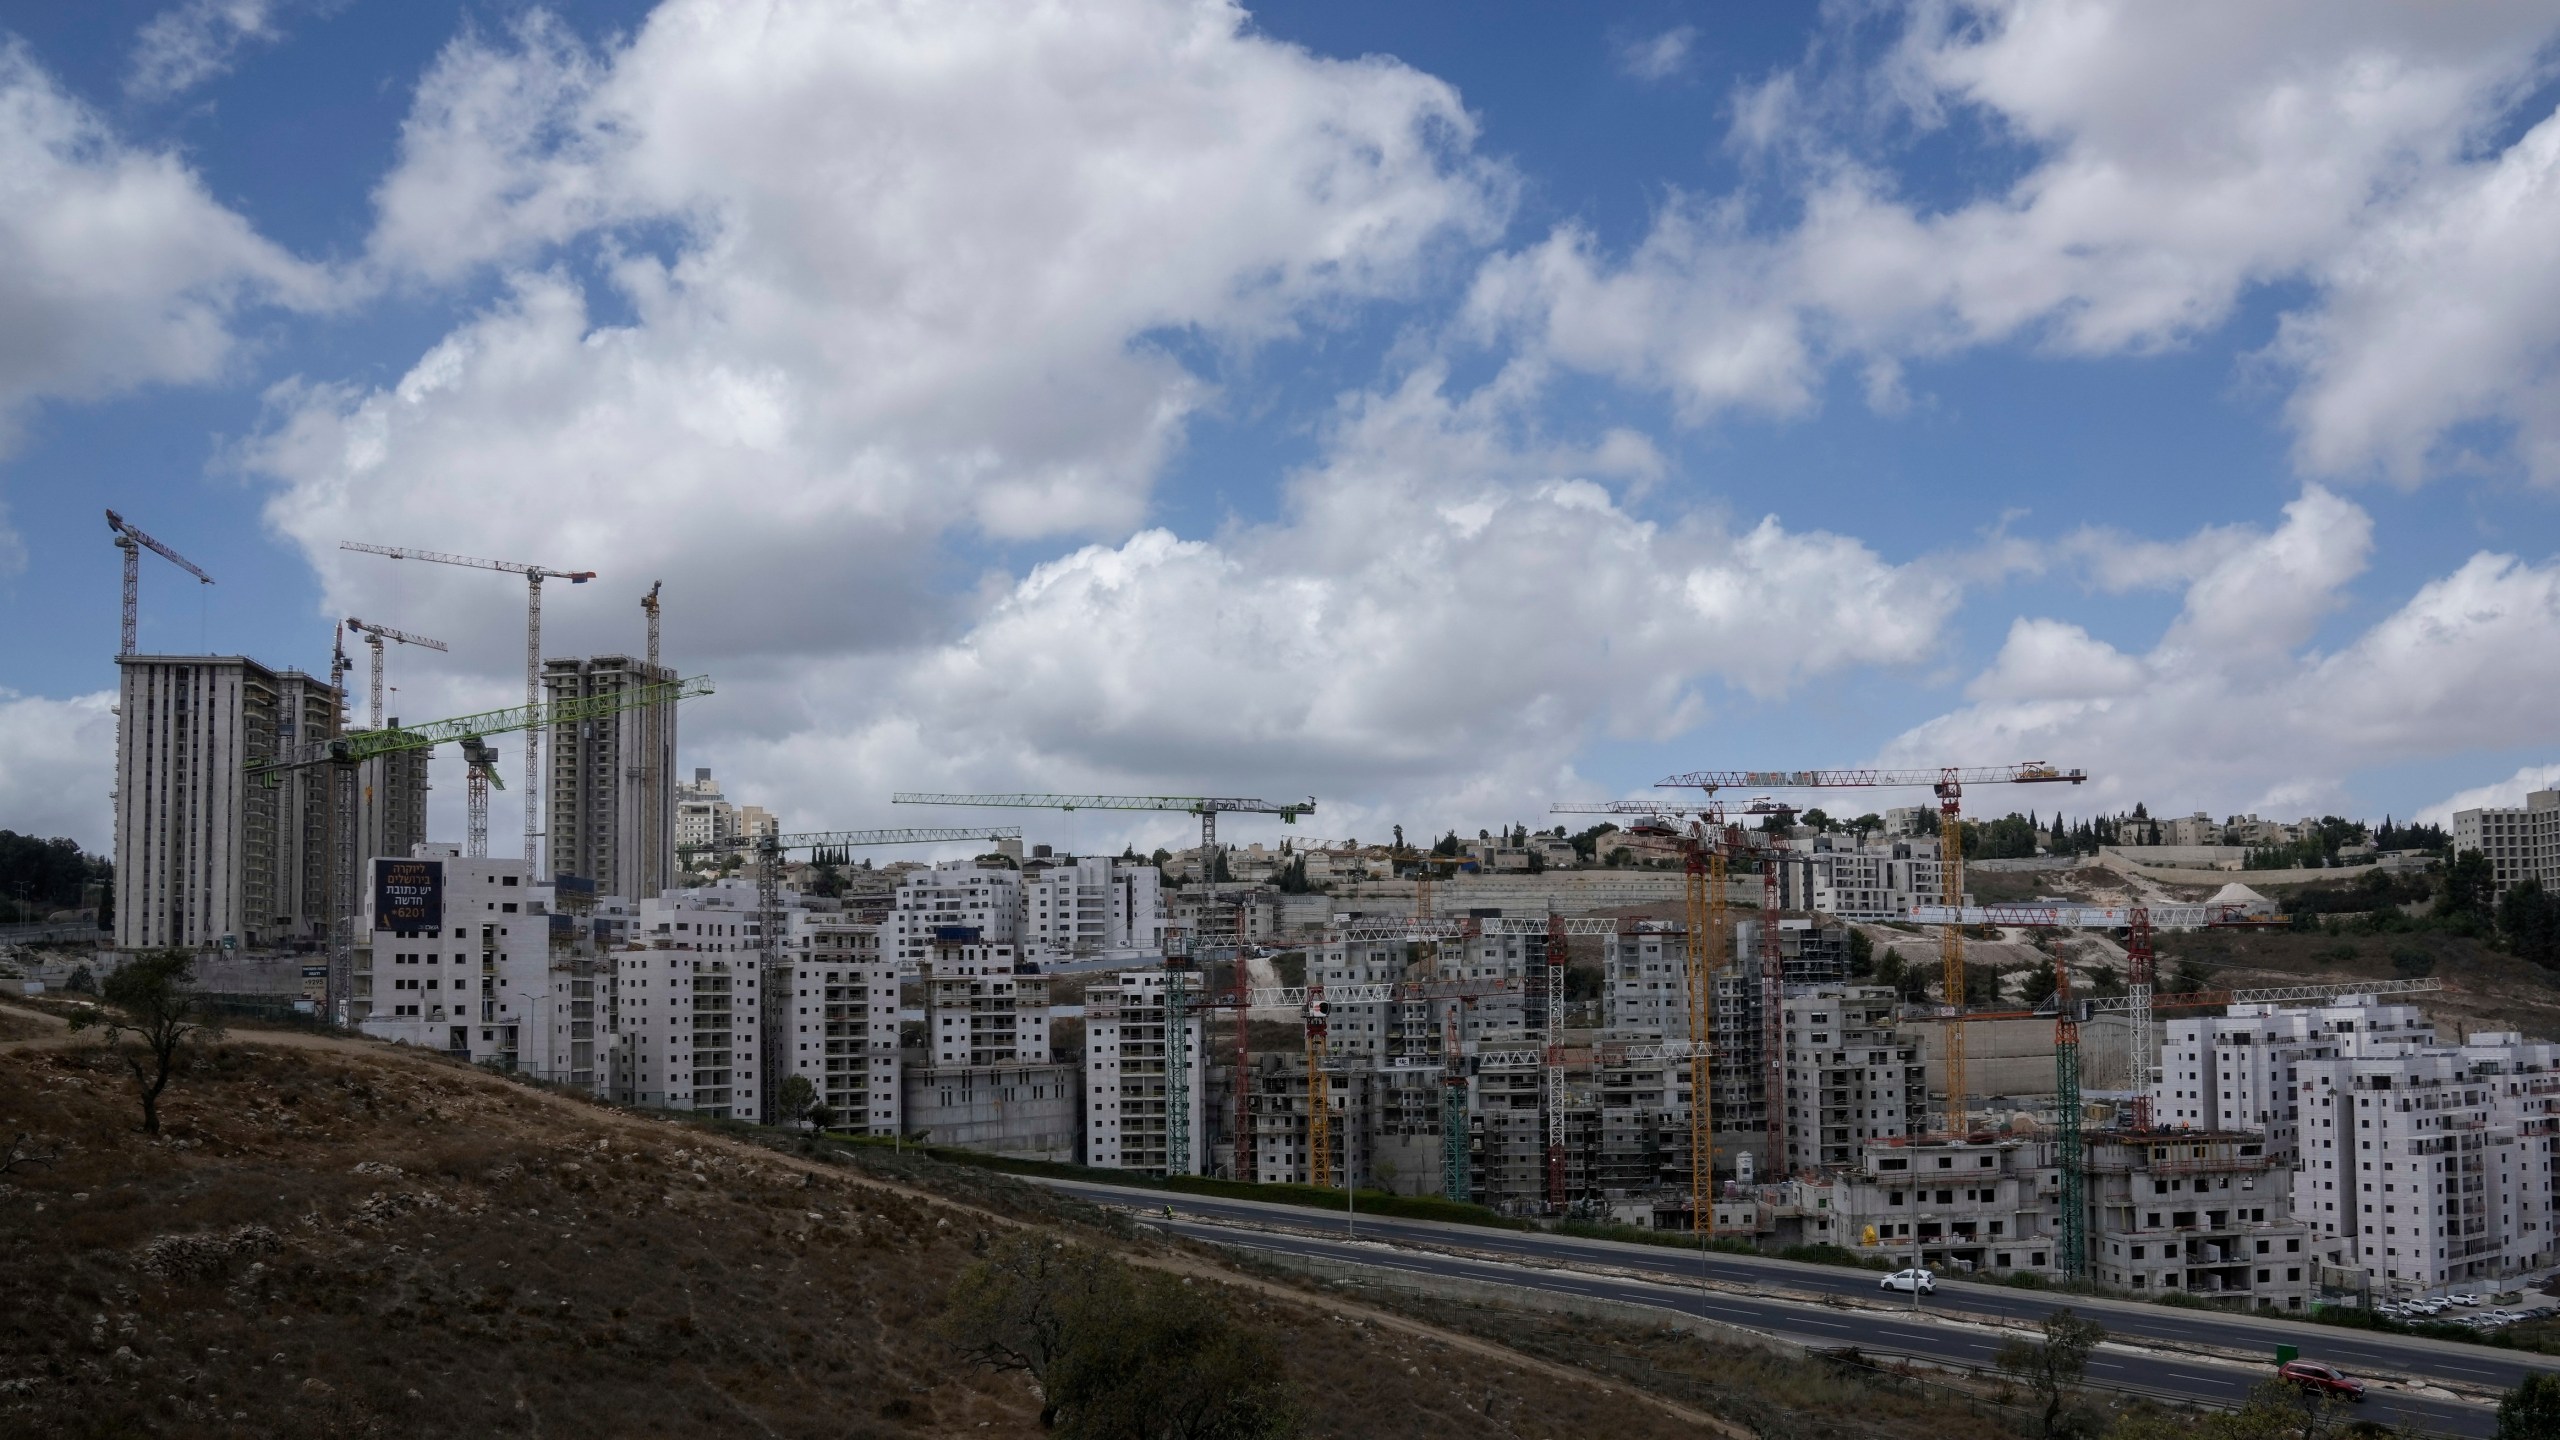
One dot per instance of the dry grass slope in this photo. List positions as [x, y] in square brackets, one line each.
[363, 1243]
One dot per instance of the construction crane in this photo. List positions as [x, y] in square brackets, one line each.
[1773, 1065]
[374, 635]
[1455, 1140]
[346, 751]
[769, 850]
[1207, 807]
[1558, 954]
[2068, 1151]
[2140, 973]
[1319, 1092]
[1311, 1001]
[658, 811]
[479, 772]
[534, 575]
[1947, 783]
[1706, 845]
[359, 746]
[133, 542]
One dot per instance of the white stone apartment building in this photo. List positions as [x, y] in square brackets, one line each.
[1874, 882]
[954, 895]
[1954, 1204]
[842, 1020]
[981, 1009]
[703, 817]
[691, 1035]
[844, 1039]
[2196, 829]
[1644, 980]
[487, 983]
[2419, 1166]
[1126, 1064]
[1852, 1080]
[205, 856]
[690, 1006]
[2240, 1070]
[2520, 842]
[2203, 1212]
[1095, 905]
[2429, 1168]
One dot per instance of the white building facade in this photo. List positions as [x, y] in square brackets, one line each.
[1095, 905]
[1127, 1061]
[501, 980]
[2520, 842]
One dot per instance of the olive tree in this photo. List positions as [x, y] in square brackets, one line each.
[2051, 1367]
[150, 1017]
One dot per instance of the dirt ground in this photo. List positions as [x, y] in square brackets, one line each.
[334, 1238]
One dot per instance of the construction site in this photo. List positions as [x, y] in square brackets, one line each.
[1717, 1057]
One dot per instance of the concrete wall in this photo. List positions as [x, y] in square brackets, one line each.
[2002, 1057]
[2124, 863]
[1026, 1111]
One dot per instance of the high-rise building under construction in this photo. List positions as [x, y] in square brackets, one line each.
[207, 855]
[612, 781]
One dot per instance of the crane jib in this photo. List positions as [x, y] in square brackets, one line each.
[366, 744]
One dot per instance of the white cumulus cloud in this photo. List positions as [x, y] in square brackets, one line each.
[2236, 707]
[57, 767]
[2508, 792]
[195, 41]
[1658, 57]
[1442, 620]
[2178, 157]
[117, 268]
[797, 300]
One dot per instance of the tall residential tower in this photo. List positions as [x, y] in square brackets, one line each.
[612, 781]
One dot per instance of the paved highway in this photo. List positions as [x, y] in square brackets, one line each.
[1788, 1302]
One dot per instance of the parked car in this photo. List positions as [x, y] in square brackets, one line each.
[2464, 1299]
[1910, 1280]
[2322, 1379]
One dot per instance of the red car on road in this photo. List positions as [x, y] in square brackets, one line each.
[2323, 1379]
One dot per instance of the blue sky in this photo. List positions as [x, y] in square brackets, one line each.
[1441, 409]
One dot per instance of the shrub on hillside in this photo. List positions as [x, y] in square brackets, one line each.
[1116, 1355]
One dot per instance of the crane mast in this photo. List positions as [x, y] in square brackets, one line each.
[2139, 979]
[374, 635]
[1243, 1166]
[1319, 1093]
[479, 772]
[133, 542]
[1951, 987]
[2069, 1156]
[1773, 1064]
[1455, 1183]
[1558, 953]
[656, 788]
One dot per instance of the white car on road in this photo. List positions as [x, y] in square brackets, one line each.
[1908, 1281]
